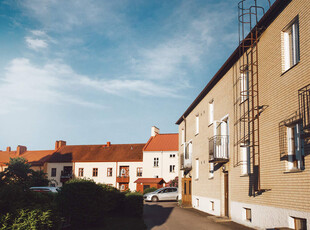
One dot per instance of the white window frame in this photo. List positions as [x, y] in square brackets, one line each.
[211, 170]
[291, 49]
[211, 112]
[295, 147]
[244, 86]
[244, 151]
[156, 162]
[197, 168]
[197, 124]
[172, 168]
[183, 136]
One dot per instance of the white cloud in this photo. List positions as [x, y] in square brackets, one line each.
[24, 84]
[38, 33]
[35, 43]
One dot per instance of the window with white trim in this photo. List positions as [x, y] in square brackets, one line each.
[109, 172]
[197, 168]
[295, 144]
[197, 124]
[244, 151]
[244, 86]
[81, 172]
[139, 171]
[156, 161]
[172, 168]
[291, 50]
[211, 170]
[172, 155]
[211, 112]
[183, 136]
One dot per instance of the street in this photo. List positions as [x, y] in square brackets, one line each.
[169, 216]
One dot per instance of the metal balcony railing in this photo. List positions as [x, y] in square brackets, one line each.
[304, 106]
[218, 149]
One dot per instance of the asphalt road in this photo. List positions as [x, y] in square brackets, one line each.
[168, 216]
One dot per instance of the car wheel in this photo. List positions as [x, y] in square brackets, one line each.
[154, 198]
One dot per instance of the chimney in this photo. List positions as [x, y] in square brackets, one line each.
[56, 145]
[108, 144]
[59, 144]
[20, 150]
[8, 149]
[154, 131]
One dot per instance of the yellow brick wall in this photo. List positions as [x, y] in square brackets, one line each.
[279, 92]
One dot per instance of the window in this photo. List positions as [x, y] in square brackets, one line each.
[172, 168]
[197, 169]
[244, 151]
[139, 171]
[211, 170]
[172, 155]
[197, 202]
[291, 44]
[109, 172]
[122, 187]
[212, 205]
[244, 87]
[248, 214]
[95, 172]
[295, 147]
[197, 124]
[183, 136]
[299, 223]
[156, 161]
[81, 172]
[53, 173]
[211, 112]
[188, 149]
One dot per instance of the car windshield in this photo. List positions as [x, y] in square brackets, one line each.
[158, 190]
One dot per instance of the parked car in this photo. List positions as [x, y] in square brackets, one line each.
[44, 189]
[168, 193]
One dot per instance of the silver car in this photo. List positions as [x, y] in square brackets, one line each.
[168, 193]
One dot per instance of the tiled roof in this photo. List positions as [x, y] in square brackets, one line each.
[163, 142]
[150, 180]
[35, 158]
[98, 153]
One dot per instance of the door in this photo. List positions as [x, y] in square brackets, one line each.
[187, 191]
[226, 194]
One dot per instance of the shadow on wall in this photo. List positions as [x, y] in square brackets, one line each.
[155, 215]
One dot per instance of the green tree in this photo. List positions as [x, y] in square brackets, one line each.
[19, 173]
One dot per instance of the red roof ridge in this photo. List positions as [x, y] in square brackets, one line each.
[148, 142]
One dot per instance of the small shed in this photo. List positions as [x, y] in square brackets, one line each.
[144, 183]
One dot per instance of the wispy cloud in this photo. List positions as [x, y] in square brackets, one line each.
[24, 83]
[35, 43]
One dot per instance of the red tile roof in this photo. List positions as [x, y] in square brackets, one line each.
[163, 142]
[35, 158]
[98, 153]
[150, 180]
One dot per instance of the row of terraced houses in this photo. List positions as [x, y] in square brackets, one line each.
[243, 146]
[123, 166]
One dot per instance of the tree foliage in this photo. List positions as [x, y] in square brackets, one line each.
[19, 173]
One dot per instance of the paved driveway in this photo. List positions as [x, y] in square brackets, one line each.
[167, 215]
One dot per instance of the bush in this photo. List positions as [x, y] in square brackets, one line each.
[133, 205]
[149, 190]
[30, 219]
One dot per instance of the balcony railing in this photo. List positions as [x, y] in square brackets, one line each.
[122, 179]
[218, 149]
[65, 176]
[304, 106]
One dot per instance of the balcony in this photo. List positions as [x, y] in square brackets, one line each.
[65, 176]
[187, 156]
[122, 179]
[304, 106]
[218, 149]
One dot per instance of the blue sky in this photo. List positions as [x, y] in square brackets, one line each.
[89, 72]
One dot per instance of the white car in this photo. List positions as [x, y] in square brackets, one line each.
[168, 193]
[44, 189]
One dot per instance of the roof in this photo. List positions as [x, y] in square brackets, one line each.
[163, 142]
[277, 7]
[98, 153]
[35, 158]
[150, 180]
